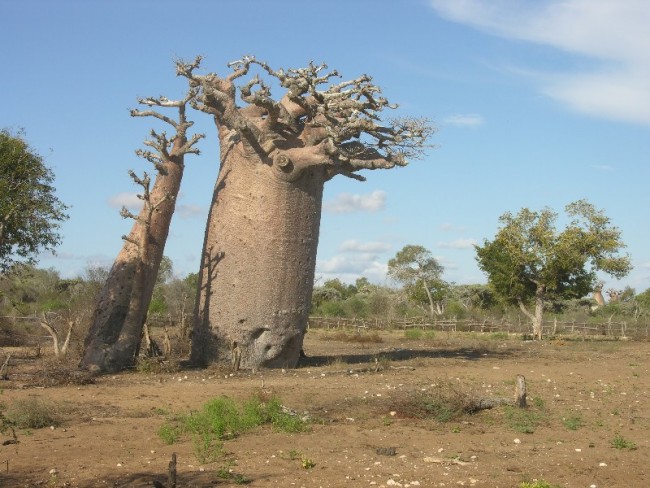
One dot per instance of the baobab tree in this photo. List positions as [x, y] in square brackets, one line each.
[259, 253]
[115, 330]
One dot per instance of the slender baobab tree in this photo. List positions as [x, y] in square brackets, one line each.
[115, 332]
[259, 253]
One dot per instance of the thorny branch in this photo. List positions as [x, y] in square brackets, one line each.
[337, 125]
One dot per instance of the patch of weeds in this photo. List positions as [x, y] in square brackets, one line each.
[293, 454]
[413, 334]
[537, 484]
[32, 413]
[573, 422]
[207, 446]
[169, 433]
[382, 363]
[156, 365]
[619, 442]
[338, 363]
[430, 335]
[307, 463]
[358, 337]
[226, 473]
[524, 420]
[222, 418]
[498, 336]
[444, 402]
[539, 403]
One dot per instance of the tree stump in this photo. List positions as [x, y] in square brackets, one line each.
[520, 391]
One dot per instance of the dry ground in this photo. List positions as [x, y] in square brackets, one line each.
[583, 396]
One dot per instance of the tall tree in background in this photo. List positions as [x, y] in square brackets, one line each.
[116, 327]
[421, 274]
[530, 261]
[259, 253]
[30, 212]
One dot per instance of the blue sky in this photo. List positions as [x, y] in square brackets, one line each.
[538, 103]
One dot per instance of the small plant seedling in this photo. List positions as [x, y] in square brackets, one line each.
[619, 442]
[573, 422]
[293, 454]
[307, 463]
[537, 484]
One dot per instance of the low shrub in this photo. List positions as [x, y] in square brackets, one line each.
[32, 413]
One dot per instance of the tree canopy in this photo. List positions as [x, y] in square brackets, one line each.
[30, 212]
[420, 273]
[529, 259]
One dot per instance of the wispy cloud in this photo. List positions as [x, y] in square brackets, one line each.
[188, 211]
[464, 120]
[354, 245]
[447, 227]
[125, 199]
[350, 267]
[458, 244]
[350, 202]
[612, 32]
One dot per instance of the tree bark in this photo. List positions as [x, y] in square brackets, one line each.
[116, 326]
[537, 318]
[259, 253]
[115, 332]
[259, 259]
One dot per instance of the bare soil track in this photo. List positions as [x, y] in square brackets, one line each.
[583, 396]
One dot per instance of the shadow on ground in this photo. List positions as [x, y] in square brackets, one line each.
[471, 354]
[206, 479]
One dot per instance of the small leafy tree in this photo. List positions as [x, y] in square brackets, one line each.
[30, 212]
[530, 261]
[419, 272]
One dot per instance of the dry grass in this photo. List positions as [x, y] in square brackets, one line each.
[357, 337]
[443, 401]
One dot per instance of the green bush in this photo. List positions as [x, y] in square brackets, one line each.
[222, 418]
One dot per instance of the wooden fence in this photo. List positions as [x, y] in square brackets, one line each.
[549, 327]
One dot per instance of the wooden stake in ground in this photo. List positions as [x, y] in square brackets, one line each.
[520, 391]
[172, 471]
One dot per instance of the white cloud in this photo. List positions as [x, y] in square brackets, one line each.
[458, 244]
[354, 245]
[612, 32]
[349, 268]
[464, 120]
[189, 211]
[348, 202]
[125, 199]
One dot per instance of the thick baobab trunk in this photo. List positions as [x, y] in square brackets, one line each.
[258, 266]
[116, 326]
[259, 253]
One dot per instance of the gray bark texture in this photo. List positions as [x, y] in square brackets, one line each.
[259, 253]
[115, 332]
